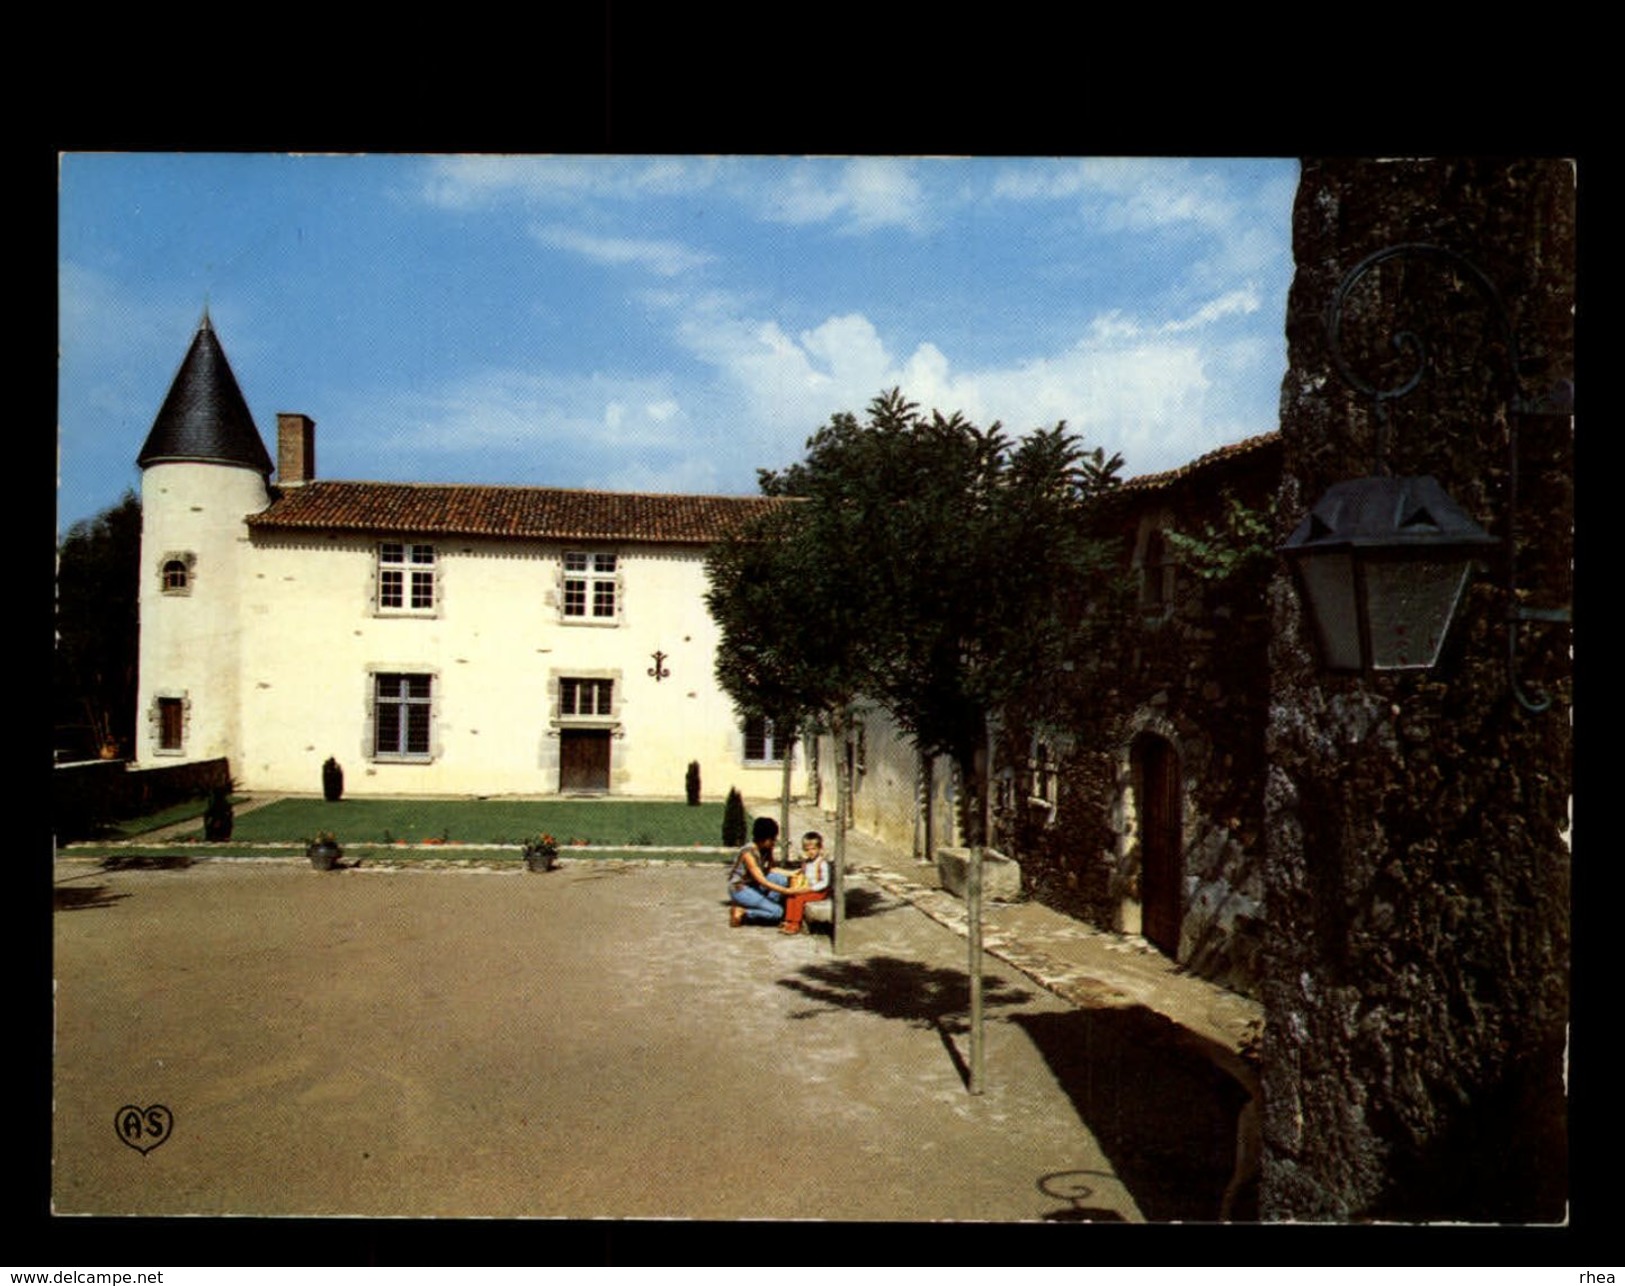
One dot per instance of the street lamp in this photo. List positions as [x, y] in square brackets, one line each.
[1381, 562]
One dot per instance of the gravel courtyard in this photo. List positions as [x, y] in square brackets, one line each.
[593, 1042]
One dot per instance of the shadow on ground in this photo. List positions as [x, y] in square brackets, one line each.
[83, 899]
[861, 903]
[1164, 1114]
[1077, 1187]
[922, 995]
[169, 862]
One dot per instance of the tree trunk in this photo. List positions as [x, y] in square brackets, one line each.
[784, 800]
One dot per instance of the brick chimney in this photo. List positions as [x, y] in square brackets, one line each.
[295, 448]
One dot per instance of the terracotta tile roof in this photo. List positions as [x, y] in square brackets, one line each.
[1235, 451]
[537, 513]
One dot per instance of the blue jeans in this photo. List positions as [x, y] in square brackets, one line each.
[761, 907]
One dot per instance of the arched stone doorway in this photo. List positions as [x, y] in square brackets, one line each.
[1158, 799]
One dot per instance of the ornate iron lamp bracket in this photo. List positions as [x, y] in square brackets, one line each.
[1558, 401]
[658, 671]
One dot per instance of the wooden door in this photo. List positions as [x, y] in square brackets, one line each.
[584, 759]
[1161, 844]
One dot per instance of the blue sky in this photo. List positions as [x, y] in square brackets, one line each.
[665, 323]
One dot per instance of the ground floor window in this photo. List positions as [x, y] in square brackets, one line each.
[171, 723]
[765, 744]
[403, 707]
[586, 696]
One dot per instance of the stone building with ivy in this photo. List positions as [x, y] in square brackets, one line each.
[1136, 801]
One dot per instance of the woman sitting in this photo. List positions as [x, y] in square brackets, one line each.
[754, 887]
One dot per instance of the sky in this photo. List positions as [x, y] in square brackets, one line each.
[665, 323]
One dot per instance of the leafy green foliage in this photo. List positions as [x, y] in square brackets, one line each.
[98, 624]
[925, 563]
[1240, 547]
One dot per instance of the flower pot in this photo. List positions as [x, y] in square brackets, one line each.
[539, 859]
[324, 856]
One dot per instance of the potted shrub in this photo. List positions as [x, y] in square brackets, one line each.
[324, 851]
[217, 817]
[332, 780]
[542, 853]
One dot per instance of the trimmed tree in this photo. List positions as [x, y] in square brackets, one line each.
[734, 828]
[787, 652]
[949, 555]
[930, 566]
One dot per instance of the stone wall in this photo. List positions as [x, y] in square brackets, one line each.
[85, 796]
[1416, 822]
[1188, 666]
[888, 785]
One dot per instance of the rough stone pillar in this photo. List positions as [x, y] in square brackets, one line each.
[1417, 862]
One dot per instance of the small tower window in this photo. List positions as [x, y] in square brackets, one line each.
[170, 723]
[175, 573]
[168, 717]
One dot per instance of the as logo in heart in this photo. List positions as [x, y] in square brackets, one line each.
[143, 1128]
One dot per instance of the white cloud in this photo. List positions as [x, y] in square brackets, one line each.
[692, 475]
[861, 194]
[515, 426]
[666, 258]
[1156, 390]
[467, 182]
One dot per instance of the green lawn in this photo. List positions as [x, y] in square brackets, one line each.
[131, 827]
[600, 822]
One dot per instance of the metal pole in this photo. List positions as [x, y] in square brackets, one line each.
[973, 908]
[843, 785]
[973, 911]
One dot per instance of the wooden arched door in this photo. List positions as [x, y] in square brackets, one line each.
[1158, 791]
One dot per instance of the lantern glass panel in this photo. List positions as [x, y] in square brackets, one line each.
[1409, 603]
[1328, 582]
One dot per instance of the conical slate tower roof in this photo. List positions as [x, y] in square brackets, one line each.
[205, 418]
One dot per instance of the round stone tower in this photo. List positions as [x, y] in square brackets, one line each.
[204, 469]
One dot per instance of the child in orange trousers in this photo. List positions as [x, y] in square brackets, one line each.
[809, 884]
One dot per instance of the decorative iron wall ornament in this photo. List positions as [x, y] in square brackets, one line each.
[1558, 401]
[658, 671]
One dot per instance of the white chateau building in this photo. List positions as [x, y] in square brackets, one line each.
[434, 639]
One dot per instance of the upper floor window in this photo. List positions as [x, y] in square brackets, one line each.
[175, 573]
[1157, 572]
[405, 577]
[591, 586]
[403, 709]
[764, 744]
[578, 697]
